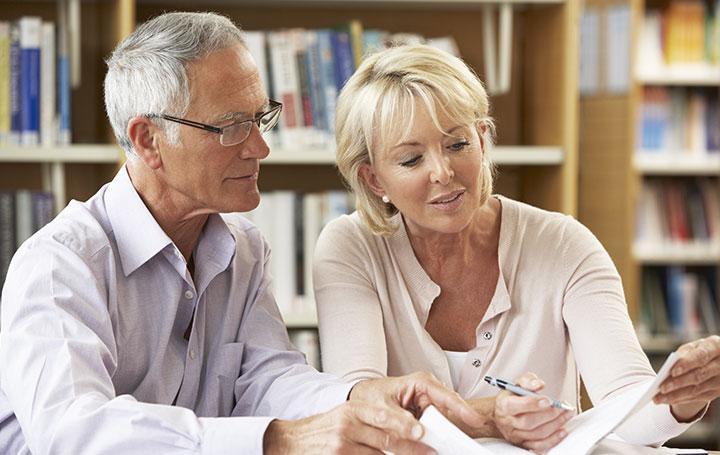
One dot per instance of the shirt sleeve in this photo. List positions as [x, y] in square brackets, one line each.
[58, 355]
[350, 319]
[275, 380]
[604, 343]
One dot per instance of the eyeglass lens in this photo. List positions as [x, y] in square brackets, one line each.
[237, 133]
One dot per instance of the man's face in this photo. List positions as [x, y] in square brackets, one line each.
[225, 86]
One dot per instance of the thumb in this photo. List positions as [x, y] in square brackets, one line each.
[530, 381]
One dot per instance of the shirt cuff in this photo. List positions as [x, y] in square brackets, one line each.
[233, 435]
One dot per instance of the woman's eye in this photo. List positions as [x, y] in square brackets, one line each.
[456, 147]
[411, 162]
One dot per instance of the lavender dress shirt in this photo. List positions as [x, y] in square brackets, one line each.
[93, 357]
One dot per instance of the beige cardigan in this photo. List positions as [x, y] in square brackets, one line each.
[558, 311]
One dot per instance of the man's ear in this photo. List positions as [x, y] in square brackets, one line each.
[144, 136]
[367, 173]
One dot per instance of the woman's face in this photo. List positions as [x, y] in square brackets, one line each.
[432, 178]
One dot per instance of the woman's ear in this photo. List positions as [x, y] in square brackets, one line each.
[482, 130]
[144, 136]
[368, 175]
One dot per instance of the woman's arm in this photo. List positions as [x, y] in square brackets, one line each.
[350, 320]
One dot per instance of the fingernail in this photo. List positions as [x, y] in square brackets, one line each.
[678, 371]
[536, 384]
[562, 434]
[417, 432]
[544, 403]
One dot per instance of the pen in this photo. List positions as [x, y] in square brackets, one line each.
[517, 390]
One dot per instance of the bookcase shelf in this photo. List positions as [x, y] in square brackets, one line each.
[676, 163]
[681, 75]
[693, 253]
[501, 155]
[444, 4]
[628, 193]
[110, 154]
[78, 153]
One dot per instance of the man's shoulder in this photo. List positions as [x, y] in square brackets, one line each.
[76, 227]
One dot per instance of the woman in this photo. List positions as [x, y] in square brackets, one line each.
[433, 273]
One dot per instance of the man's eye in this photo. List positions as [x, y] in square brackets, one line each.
[411, 162]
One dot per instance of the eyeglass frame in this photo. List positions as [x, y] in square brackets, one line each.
[273, 105]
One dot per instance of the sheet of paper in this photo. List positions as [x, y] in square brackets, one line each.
[501, 447]
[447, 439]
[585, 430]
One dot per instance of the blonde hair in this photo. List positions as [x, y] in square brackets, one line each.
[378, 102]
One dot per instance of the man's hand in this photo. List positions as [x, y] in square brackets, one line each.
[415, 392]
[694, 379]
[530, 421]
[379, 416]
[353, 427]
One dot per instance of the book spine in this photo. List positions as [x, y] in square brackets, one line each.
[4, 82]
[63, 89]
[7, 231]
[14, 137]
[48, 127]
[30, 37]
[344, 62]
[327, 77]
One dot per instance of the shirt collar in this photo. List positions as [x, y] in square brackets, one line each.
[138, 236]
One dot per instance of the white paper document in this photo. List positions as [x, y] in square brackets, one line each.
[447, 439]
[584, 431]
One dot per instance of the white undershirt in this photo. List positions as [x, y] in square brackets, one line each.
[456, 360]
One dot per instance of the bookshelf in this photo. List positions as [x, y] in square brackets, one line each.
[612, 154]
[536, 151]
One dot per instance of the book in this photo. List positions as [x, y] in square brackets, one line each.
[4, 82]
[48, 108]
[63, 89]
[7, 231]
[30, 38]
[14, 96]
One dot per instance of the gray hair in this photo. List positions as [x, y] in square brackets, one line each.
[147, 70]
[378, 102]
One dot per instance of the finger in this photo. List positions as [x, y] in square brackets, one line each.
[709, 390]
[542, 424]
[530, 381]
[692, 377]
[511, 404]
[696, 354]
[394, 420]
[448, 402]
[546, 444]
[375, 430]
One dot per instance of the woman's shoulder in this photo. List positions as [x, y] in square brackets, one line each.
[344, 235]
[544, 226]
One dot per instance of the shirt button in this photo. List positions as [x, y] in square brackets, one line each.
[487, 335]
[192, 354]
[189, 294]
[476, 363]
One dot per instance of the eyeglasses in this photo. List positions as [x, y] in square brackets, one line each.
[236, 132]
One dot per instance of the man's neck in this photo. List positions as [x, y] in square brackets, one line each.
[182, 224]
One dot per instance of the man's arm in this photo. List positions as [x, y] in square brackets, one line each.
[58, 355]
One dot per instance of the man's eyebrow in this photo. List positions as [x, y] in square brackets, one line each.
[242, 114]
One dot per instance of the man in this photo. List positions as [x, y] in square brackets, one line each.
[141, 321]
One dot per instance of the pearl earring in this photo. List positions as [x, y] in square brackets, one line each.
[386, 199]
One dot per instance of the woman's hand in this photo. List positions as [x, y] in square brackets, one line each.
[694, 380]
[530, 421]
